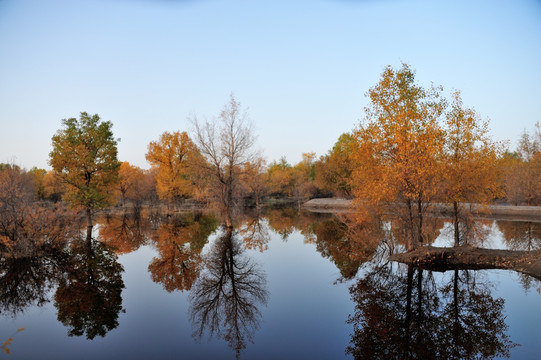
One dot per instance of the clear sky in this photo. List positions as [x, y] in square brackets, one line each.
[300, 67]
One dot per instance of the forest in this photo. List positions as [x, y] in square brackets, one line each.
[414, 149]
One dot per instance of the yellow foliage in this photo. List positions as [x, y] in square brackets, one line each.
[176, 157]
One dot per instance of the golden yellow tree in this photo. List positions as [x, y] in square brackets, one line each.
[174, 155]
[131, 184]
[470, 161]
[399, 148]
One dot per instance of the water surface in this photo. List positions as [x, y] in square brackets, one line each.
[282, 284]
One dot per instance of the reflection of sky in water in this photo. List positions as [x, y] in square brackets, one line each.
[494, 240]
[305, 316]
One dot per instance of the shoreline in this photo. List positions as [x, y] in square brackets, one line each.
[496, 212]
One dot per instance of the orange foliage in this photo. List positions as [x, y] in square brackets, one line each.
[175, 157]
[399, 148]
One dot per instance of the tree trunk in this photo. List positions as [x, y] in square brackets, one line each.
[411, 238]
[420, 210]
[89, 225]
[456, 223]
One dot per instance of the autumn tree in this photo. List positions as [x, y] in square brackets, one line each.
[253, 179]
[16, 194]
[175, 156]
[303, 174]
[470, 158]
[135, 185]
[280, 178]
[226, 142]
[523, 173]
[333, 171]
[400, 141]
[85, 156]
[38, 176]
[53, 186]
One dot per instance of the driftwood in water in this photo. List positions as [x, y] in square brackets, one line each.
[467, 257]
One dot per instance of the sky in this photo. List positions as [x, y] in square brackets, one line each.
[300, 68]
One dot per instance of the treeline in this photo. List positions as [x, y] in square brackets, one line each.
[172, 179]
[414, 148]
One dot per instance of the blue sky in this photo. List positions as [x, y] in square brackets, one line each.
[300, 67]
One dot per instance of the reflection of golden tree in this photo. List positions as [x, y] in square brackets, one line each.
[89, 298]
[521, 235]
[281, 220]
[403, 316]
[400, 230]
[225, 299]
[286, 220]
[347, 241]
[124, 234]
[179, 244]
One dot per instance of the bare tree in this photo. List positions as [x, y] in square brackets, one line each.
[226, 142]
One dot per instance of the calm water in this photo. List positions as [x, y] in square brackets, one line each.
[281, 285]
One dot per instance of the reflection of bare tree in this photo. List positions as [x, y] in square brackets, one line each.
[255, 232]
[89, 298]
[225, 299]
[404, 316]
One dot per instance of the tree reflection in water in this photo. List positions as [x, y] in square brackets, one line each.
[520, 235]
[524, 236]
[125, 233]
[179, 243]
[403, 315]
[225, 299]
[88, 298]
[26, 281]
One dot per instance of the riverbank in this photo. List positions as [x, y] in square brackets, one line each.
[497, 212]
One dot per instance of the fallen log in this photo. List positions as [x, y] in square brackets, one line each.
[472, 258]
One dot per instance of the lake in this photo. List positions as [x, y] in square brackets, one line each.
[282, 284]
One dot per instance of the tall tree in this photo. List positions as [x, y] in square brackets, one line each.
[85, 156]
[470, 164]
[399, 145]
[226, 142]
[174, 155]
